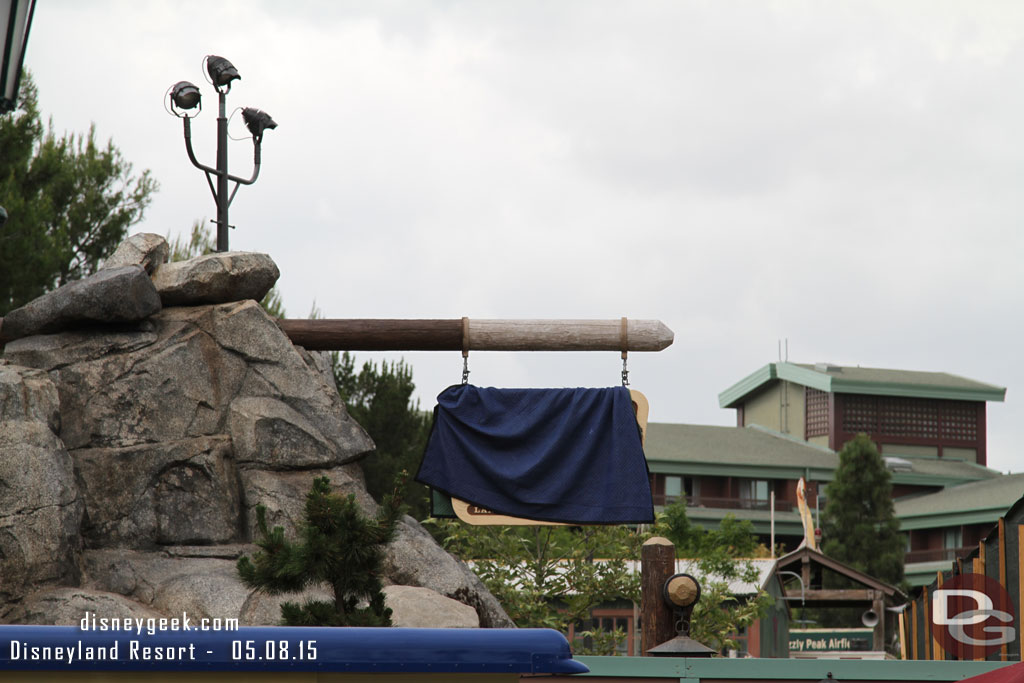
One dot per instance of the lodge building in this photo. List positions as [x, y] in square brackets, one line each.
[791, 419]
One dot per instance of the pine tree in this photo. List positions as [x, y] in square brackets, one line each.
[340, 548]
[69, 199]
[859, 525]
[380, 400]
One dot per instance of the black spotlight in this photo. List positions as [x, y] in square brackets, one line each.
[185, 95]
[221, 71]
[257, 120]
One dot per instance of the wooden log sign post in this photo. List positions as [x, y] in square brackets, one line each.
[468, 334]
[472, 334]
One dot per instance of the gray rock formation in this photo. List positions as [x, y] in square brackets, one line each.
[415, 559]
[168, 493]
[132, 457]
[40, 509]
[117, 295]
[199, 371]
[216, 278]
[68, 606]
[415, 607]
[141, 249]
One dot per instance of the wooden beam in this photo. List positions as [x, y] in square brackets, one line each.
[482, 335]
[841, 595]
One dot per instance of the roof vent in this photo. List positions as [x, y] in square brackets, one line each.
[828, 367]
[898, 464]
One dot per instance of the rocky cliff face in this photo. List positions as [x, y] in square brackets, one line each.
[135, 443]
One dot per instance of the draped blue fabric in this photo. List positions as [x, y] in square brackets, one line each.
[557, 455]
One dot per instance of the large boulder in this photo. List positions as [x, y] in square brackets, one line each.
[415, 559]
[283, 494]
[28, 395]
[216, 278]
[180, 379]
[115, 295]
[160, 493]
[144, 249]
[417, 607]
[68, 606]
[40, 510]
[201, 581]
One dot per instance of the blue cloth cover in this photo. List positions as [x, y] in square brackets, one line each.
[557, 455]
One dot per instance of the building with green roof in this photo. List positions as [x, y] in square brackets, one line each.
[950, 523]
[929, 426]
[730, 470]
[906, 412]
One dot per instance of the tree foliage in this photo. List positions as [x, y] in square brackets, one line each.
[380, 399]
[551, 577]
[720, 557]
[859, 524]
[70, 202]
[339, 547]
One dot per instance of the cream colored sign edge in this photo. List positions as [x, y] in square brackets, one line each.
[471, 514]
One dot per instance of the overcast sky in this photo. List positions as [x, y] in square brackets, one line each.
[847, 176]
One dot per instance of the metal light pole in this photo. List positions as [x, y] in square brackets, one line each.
[184, 97]
[15, 21]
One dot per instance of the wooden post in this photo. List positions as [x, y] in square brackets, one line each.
[937, 650]
[1004, 650]
[657, 564]
[878, 635]
[1020, 587]
[904, 653]
[979, 568]
[913, 629]
[927, 624]
[482, 335]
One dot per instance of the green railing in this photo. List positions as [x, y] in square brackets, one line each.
[812, 670]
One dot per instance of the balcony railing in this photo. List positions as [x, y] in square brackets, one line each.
[724, 503]
[936, 555]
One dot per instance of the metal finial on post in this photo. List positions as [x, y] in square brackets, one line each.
[667, 600]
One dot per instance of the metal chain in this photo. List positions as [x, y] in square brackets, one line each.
[465, 369]
[625, 372]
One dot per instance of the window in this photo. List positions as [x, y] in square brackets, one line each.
[755, 493]
[673, 487]
[908, 418]
[668, 488]
[610, 624]
[815, 412]
[608, 619]
[953, 538]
